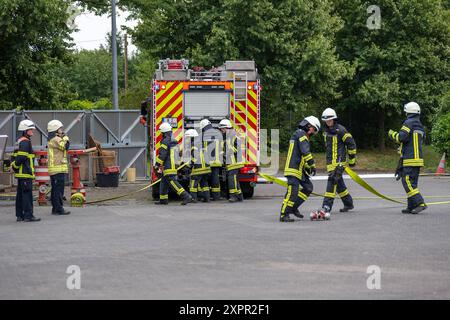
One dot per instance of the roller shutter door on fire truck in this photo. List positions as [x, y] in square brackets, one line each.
[206, 104]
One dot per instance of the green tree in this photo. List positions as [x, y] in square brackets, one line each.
[441, 134]
[406, 59]
[33, 42]
[90, 74]
[291, 42]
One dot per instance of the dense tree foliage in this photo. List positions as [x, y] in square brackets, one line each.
[311, 54]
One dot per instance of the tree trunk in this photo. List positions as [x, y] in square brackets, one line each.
[381, 133]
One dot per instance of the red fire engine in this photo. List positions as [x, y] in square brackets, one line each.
[182, 97]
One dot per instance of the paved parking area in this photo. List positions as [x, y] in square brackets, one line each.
[132, 249]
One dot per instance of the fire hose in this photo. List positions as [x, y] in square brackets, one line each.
[355, 177]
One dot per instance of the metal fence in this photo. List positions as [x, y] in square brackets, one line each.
[116, 130]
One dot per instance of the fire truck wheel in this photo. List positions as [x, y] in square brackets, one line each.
[247, 190]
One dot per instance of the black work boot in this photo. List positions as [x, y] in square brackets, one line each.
[194, 197]
[418, 209]
[162, 202]
[215, 196]
[233, 198]
[407, 210]
[286, 218]
[187, 198]
[62, 213]
[32, 219]
[297, 214]
[20, 219]
[206, 197]
[346, 208]
[240, 196]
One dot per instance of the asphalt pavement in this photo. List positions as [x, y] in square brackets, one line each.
[133, 249]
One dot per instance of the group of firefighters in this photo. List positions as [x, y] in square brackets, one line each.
[211, 151]
[340, 143]
[206, 155]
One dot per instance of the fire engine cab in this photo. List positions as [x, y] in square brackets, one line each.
[182, 97]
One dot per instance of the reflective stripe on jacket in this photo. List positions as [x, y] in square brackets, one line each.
[23, 159]
[339, 142]
[299, 155]
[410, 137]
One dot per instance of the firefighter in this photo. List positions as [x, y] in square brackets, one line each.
[58, 144]
[410, 138]
[232, 159]
[212, 144]
[23, 166]
[299, 166]
[165, 162]
[200, 170]
[338, 142]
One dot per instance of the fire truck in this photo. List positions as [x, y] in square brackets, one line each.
[182, 97]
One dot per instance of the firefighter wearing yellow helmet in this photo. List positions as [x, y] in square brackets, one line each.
[58, 144]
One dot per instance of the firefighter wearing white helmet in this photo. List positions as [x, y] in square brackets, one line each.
[339, 144]
[22, 163]
[410, 137]
[166, 164]
[299, 166]
[232, 158]
[200, 170]
[58, 144]
[212, 144]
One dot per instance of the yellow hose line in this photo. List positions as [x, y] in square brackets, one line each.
[359, 181]
[133, 192]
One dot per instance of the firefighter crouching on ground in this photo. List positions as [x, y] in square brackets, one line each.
[58, 144]
[299, 165]
[338, 142]
[232, 159]
[410, 138]
[165, 162]
[23, 166]
[198, 185]
[212, 141]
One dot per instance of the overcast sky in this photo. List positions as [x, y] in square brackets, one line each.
[92, 30]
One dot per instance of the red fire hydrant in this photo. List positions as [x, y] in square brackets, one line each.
[42, 176]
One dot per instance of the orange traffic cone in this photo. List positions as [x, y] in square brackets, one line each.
[441, 166]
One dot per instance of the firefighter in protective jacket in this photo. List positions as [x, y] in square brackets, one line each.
[58, 144]
[165, 162]
[23, 166]
[410, 138]
[299, 166]
[338, 142]
[200, 170]
[212, 144]
[232, 154]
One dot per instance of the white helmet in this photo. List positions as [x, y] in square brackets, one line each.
[204, 123]
[412, 107]
[225, 123]
[314, 122]
[191, 133]
[54, 125]
[25, 125]
[329, 114]
[165, 127]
